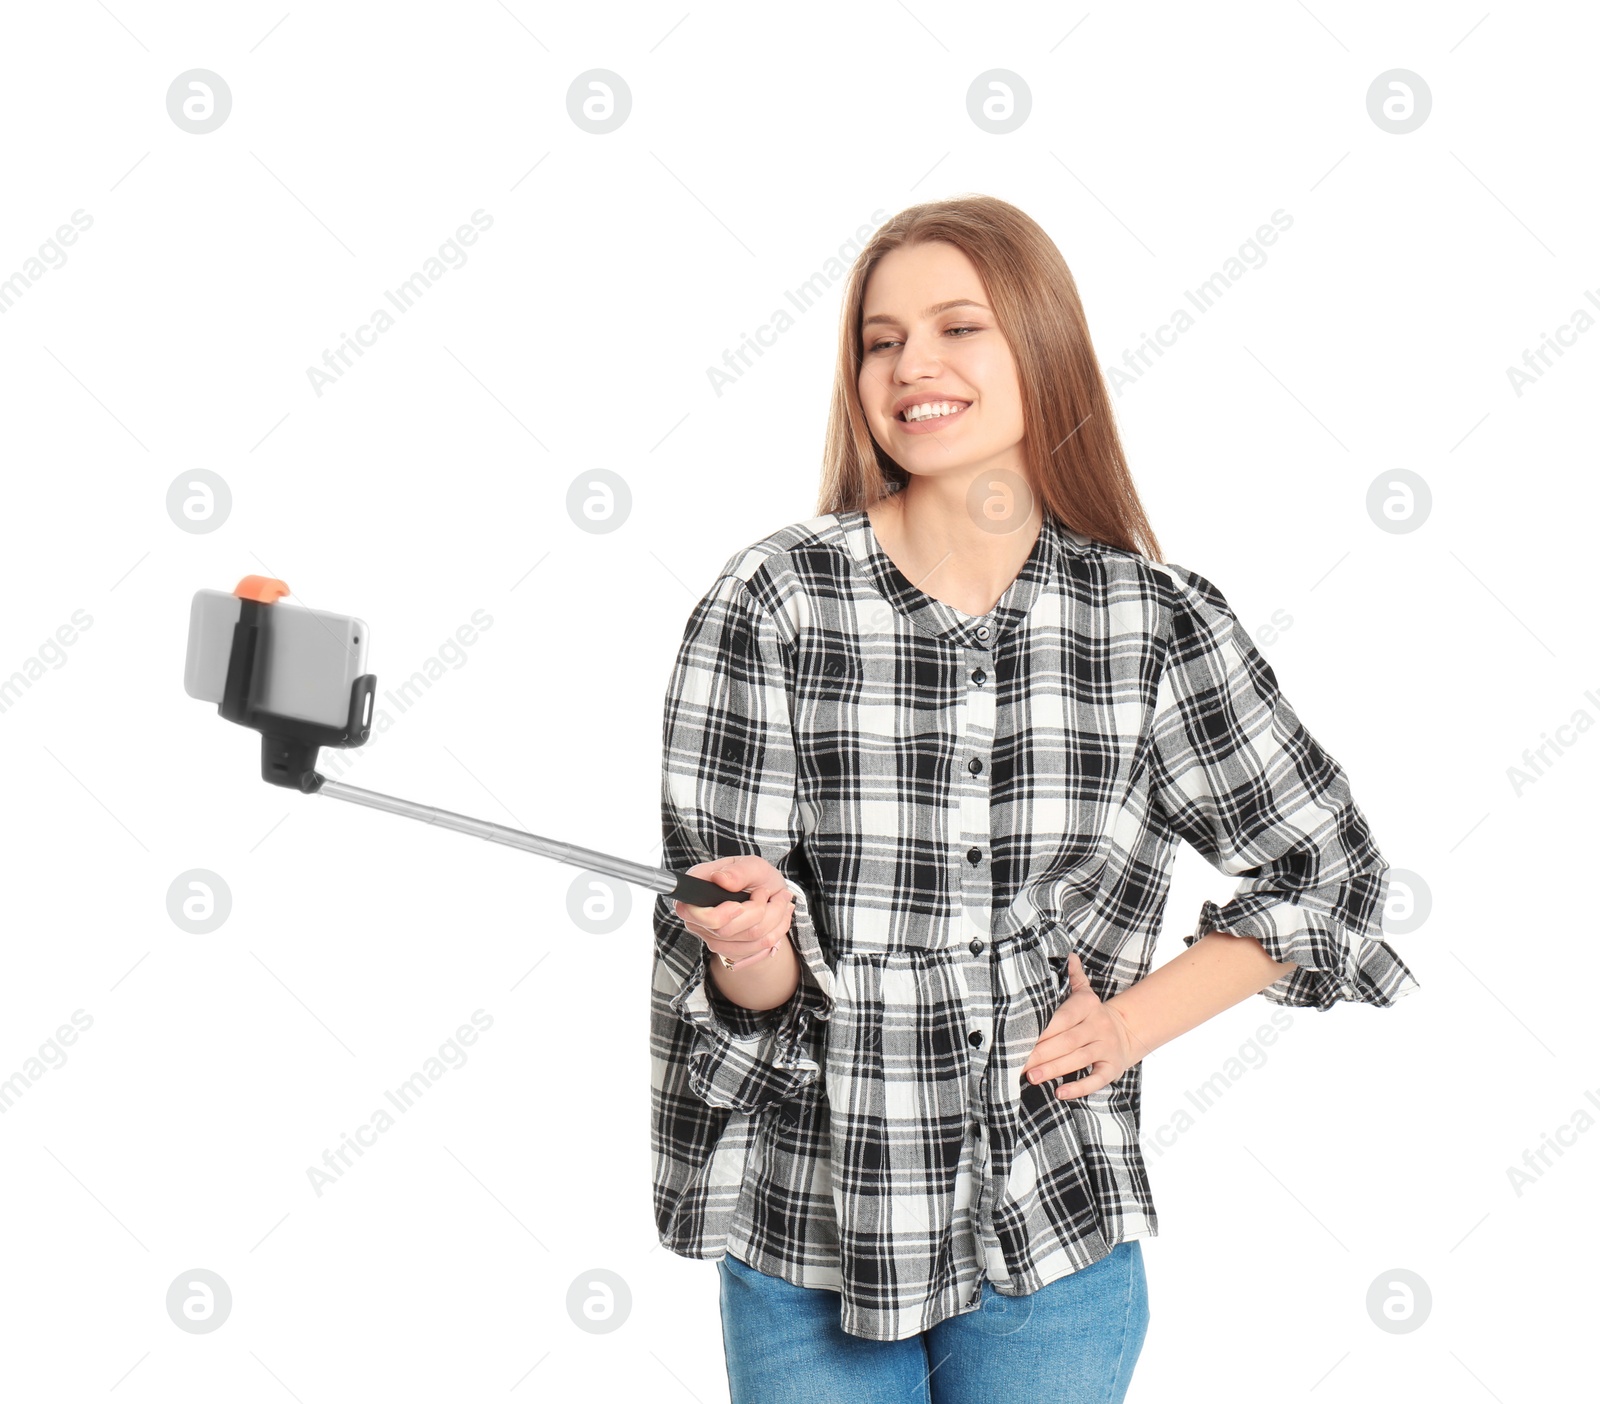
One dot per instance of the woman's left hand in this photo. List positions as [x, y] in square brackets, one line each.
[1083, 1033]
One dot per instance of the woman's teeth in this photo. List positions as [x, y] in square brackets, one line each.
[933, 410]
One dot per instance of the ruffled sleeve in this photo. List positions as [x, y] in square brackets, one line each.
[1235, 773]
[728, 788]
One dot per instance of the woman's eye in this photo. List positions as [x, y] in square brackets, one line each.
[889, 341]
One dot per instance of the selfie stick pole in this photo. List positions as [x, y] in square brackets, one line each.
[289, 748]
[701, 894]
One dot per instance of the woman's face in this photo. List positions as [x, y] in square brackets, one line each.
[916, 346]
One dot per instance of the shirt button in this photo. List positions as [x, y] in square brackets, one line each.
[975, 766]
[975, 1037]
[976, 947]
[983, 631]
[974, 855]
[979, 676]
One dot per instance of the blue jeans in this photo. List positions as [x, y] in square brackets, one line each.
[1075, 1341]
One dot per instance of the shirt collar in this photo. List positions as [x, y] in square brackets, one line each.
[932, 616]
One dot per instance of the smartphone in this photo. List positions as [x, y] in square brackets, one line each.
[309, 657]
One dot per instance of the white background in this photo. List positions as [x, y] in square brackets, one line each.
[432, 480]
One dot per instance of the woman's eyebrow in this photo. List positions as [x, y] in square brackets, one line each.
[933, 311]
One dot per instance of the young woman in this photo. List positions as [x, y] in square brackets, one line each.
[947, 734]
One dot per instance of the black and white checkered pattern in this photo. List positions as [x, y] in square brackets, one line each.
[957, 803]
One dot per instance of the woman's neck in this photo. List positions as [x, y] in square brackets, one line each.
[946, 554]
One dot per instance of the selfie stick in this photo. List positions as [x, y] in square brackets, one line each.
[289, 748]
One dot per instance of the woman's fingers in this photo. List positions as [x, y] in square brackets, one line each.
[726, 920]
[1058, 1067]
[712, 919]
[741, 930]
[747, 872]
[740, 927]
[1060, 1054]
[1085, 1085]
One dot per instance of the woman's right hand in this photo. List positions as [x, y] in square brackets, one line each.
[743, 931]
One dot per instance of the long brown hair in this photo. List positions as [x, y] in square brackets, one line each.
[1070, 445]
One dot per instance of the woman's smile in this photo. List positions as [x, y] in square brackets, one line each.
[954, 410]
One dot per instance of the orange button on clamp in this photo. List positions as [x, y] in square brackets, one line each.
[260, 587]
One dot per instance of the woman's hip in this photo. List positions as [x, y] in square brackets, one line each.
[1076, 1338]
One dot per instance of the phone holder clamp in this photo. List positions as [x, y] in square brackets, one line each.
[289, 745]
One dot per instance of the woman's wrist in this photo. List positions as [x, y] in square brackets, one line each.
[764, 984]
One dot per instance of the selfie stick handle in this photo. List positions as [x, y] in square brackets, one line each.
[289, 748]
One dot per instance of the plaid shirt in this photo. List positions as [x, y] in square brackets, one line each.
[957, 803]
